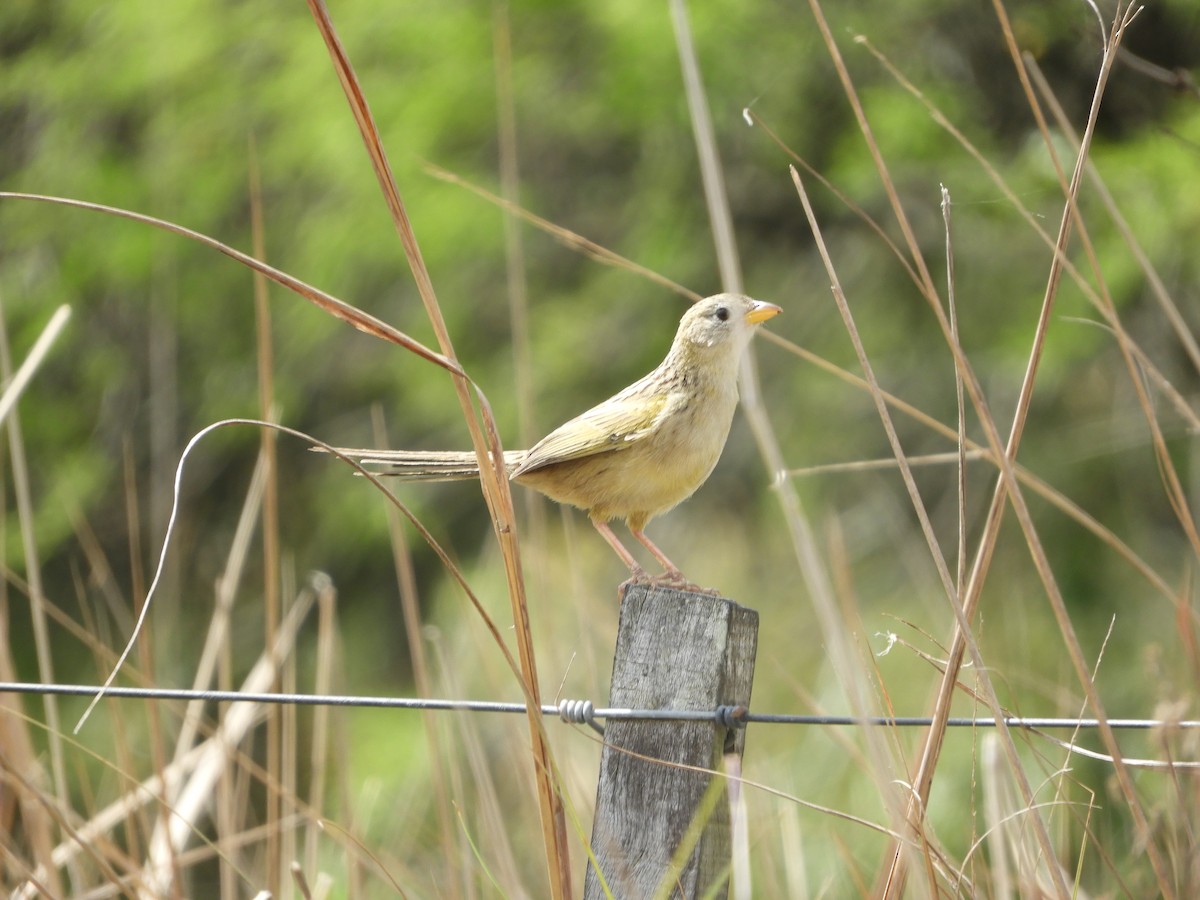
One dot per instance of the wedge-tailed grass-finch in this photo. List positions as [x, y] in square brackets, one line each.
[640, 452]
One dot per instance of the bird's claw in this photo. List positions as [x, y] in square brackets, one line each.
[672, 578]
[676, 581]
[637, 575]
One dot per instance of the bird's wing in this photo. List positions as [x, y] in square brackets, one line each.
[615, 424]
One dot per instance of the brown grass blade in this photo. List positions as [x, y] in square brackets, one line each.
[894, 884]
[565, 236]
[23, 495]
[410, 609]
[917, 805]
[339, 309]
[270, 509]
[1008, 488]
[486, 442]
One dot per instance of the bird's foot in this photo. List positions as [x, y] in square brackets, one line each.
[672, 578]
[637, 575]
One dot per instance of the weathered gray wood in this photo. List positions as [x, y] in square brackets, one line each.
[675, 650]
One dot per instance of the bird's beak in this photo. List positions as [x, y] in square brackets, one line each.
[761, 311]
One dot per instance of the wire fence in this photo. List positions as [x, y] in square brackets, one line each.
[581, 711]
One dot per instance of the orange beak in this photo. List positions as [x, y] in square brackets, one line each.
[761, 311]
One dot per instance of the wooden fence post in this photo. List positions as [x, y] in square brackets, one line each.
[675, 650]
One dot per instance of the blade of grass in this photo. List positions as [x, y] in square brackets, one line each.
[20, 756]
[568, 238]
[37, 599]
[1121, 21]
[16, 741]
[217, 635]
[410, 609]
[1132, 355]
[1090, 293]
[514, 250]
[479, 858]
[896, 875]
[339, 309]
[842, 655]
[1159, 290]
[16, 382]
[322, 733]
[270, 503]
[706, 808]
[719, 218]
[960, 574]
[137, 586]
[457, 783]
[1009, 486]
[487, 808]
[917, 806]
[753, 120]
[740, 869]
[486, 442]
[196, 794]
[963, 608]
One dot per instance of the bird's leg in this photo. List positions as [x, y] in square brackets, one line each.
[672, 577]
[639, 574]
[672, 570]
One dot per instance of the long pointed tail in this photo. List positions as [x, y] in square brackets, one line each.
[425, 465]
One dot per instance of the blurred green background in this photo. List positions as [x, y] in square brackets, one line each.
[160, 108]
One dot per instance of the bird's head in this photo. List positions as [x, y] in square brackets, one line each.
[724, 321]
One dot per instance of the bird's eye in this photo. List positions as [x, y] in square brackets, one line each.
[723, 313]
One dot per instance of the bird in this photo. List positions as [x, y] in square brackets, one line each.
[637, 454]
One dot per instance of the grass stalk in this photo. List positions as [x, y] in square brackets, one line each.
[486, 442]
[410, 609]
[816, 579]
[270, 501]
[23, 494]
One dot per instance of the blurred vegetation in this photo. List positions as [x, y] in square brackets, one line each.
[164, 108]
